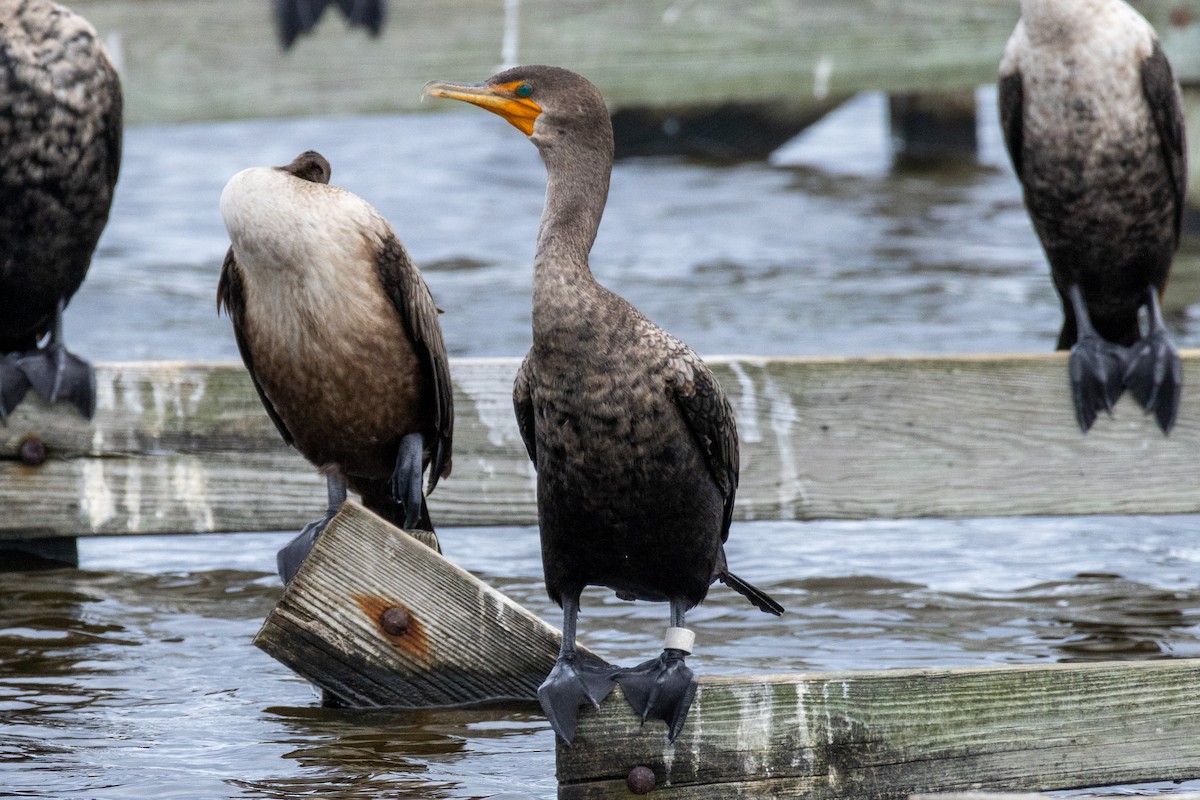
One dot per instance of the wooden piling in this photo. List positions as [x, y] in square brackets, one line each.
[375, 618]
[887, 734]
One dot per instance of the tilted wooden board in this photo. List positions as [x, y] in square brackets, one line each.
[887, 734]
[464, 643]
[186, 447]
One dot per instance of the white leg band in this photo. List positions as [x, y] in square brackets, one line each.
[680, 639]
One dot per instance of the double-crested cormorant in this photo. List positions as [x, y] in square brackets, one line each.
[1093, 123]
[341, 338]
[296, 17]
[634, 442]
[60, 151]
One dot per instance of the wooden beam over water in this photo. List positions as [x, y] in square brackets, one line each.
[886, 734]
[218, 59]
[184, 447]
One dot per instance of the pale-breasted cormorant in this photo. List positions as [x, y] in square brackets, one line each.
[341, 337]
[634, 443]
[60, 151]
[1094, 125]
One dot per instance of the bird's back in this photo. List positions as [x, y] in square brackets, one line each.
[623, 485]
[60, 152]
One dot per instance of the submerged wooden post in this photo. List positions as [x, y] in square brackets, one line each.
[376, 618]
[930, 127]
[886, 734]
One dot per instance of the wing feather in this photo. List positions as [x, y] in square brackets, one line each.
[407, 289]
[231, 296]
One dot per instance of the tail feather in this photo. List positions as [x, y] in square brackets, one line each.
[370, 14]
[761, 600]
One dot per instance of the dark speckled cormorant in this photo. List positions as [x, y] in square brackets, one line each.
[341, 337]
[60, 150]
[635, 445]
[296, 17]
[1093, 123]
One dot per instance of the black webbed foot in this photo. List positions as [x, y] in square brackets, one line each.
[1154, 376]
[569, 685]
[1153, 372]
[662, 688]
[1097, 370]
[56, 373]
[292, 555]
[405, 482]
[13, 386]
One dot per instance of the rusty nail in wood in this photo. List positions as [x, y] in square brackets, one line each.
[33, 451]
[641, 780]
[394, 621]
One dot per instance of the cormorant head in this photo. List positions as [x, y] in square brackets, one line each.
[548, 104]
[310, 166]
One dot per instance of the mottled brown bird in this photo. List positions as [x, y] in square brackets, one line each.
[60, 151]
[634, 442]
[1094, 125]
[341, 336]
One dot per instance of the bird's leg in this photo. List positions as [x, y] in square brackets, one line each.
[573, 681]
[1155, 374]
[13, 386]
[663, 688]
[56, 372]
[1097, 366]
[406, 482]
[291, 556]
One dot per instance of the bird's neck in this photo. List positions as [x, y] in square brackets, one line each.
[576, 191]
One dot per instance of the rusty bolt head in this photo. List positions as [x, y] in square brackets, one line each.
[394, 621]
[33, 451]
[641, 780]
[1181, 17]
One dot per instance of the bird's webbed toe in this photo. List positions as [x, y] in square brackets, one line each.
[13, 386]
[571, 683]
[58, 374]
[662, 688]
[405, 483]
[1154, 376]
[1097, 370]
[292, 555]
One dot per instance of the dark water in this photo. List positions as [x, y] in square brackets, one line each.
[135, 676]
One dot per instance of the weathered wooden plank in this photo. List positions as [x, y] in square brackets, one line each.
[186, 447]
[216, 59]
[887, 734]
[1030, 796]
[447, 637]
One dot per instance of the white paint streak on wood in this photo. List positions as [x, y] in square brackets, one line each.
[190, 485]
[754, 728]
[131, 499]
[96, 497]
[745, 404]
[783, 417]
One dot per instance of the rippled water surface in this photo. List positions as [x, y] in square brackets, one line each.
[135, 676]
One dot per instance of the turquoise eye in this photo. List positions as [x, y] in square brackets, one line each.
[524, 90]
